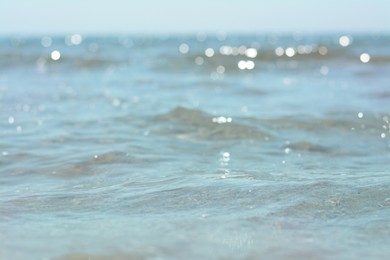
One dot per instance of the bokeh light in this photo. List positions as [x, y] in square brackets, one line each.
[55, 55]
[344, 41]
[365, 57]
[184, 48]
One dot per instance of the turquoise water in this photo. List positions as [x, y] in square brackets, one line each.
[198, 146]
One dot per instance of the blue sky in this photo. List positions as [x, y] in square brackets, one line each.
[170, 16]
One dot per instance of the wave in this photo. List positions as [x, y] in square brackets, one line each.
[192, 124]
[183, 120]
[310, 133]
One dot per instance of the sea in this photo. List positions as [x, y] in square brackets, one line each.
[195, 146]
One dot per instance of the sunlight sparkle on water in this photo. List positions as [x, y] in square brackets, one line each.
[242, 64]
[11, 120]
[290, 52]
[184, 48]
[246, 65]
[365, 57]
[76, 39]
[225, 157]
[222, 120]
[209, 52]
[344, 41]
[323, 50]
[55, 55]
[279, 51]
[250, 65]
[251, 53]
[226, 50]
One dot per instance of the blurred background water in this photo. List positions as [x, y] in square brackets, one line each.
[217, 146]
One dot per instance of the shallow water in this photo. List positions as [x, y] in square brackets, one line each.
[142, 147]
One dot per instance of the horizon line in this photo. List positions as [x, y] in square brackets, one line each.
[191, 33]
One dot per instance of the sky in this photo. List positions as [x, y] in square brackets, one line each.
[174, 16]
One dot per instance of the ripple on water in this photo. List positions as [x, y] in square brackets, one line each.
[192, 124]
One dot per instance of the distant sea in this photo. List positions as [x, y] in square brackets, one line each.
[195, 146]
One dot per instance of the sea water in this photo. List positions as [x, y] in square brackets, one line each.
[195, 147]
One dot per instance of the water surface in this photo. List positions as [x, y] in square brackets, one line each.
[168, 147]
